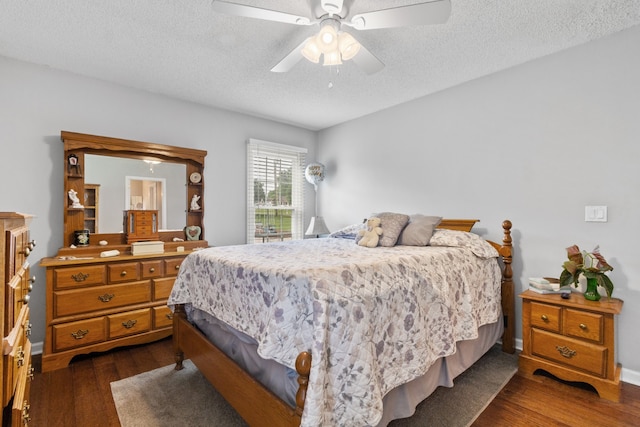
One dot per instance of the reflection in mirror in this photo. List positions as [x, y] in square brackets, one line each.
[147, 194]
[111, 172]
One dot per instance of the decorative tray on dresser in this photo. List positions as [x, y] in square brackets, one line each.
[573, 339]
[15, 368]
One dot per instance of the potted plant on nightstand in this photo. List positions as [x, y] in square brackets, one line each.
[590, 264]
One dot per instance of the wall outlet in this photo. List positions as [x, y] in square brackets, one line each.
[595, 213]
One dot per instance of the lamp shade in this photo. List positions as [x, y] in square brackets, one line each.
[311, 50]
[348, 46]
[317, 227]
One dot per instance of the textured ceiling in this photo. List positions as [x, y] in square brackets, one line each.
[183, 49]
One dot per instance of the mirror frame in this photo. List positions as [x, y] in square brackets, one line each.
[76, 145]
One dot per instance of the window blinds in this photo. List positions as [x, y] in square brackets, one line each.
[275, 191]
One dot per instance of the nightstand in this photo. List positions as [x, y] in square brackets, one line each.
[572, 339]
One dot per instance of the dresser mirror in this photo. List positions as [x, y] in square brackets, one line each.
[112, 175]
[125, 183]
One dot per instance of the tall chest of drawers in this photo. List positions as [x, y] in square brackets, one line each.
[15, 368]
[573, 339]
[97, 304]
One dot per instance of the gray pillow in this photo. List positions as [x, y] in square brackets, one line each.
[419, 230]
[392, 225]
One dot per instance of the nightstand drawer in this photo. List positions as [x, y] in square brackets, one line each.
[129, 323]
[568, 351]
[77, 334]
[546, 316]
[581, 324]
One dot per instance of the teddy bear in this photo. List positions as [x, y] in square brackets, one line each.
[371, 235]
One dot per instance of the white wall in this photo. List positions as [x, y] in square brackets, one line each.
[36, 103]
[533, 144]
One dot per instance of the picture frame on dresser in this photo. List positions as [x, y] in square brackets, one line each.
[94, 302]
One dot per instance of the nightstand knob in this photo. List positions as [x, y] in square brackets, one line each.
[152, 270]
[123, 273]
[544, 318]
[583, 326]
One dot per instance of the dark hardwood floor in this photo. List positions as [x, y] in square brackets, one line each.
[80, 395]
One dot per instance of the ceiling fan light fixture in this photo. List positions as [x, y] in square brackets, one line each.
[348, 46]
[332, 58]
[311, 51]
[327, 39]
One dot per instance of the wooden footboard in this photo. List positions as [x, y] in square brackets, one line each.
[254, 402]
[258, 405]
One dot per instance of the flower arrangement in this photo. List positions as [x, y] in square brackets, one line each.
[591, 264]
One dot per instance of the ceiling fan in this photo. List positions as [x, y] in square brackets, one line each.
[332, 42]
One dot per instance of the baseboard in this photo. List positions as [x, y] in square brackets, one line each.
[626, 375]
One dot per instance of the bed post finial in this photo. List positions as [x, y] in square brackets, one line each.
[508, 302]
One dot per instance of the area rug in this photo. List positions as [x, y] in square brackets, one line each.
[168, 398]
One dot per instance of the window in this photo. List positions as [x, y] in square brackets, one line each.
[275, 192]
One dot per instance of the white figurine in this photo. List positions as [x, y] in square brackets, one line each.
[194, 203]
[75, 202]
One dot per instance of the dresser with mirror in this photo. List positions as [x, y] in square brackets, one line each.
[101, 292]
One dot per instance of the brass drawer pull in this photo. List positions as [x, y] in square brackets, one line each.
[566, 351]
[27, 330]
[80, 277]
[31, 372]
[544, 318]
[20, 357]
[80, 333]
[152, 270]
[106, 297]
[169, 316]
[26, 298]
[129, 324]
[123, 273]
[583, 326]
[26, 419]
[178, 267]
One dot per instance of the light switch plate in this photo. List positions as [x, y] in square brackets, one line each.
[595, 213]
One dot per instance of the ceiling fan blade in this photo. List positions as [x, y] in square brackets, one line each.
[290, 60]
[367, 61]
[259, 13]
[433, 12]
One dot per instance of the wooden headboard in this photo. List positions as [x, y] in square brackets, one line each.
[458, 224]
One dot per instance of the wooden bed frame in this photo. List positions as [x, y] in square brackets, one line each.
[259, 406]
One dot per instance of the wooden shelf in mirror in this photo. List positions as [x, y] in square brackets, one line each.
[77, 146]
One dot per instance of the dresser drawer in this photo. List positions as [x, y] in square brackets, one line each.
[546, 316]
[78, 301]
[571, 352]
[162, 288]
[124, 272]
[172, 266]
[21, 403]
[162, 317]
[14, 362]
[81, 275]
[585, 325]
[152, 269]
[129, 323]
[78, 334]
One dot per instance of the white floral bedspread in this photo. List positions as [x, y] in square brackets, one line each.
[372, 318]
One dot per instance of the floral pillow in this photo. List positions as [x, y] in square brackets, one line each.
[419, 230]
[463, 239]
[392, 225]
[349, 232]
